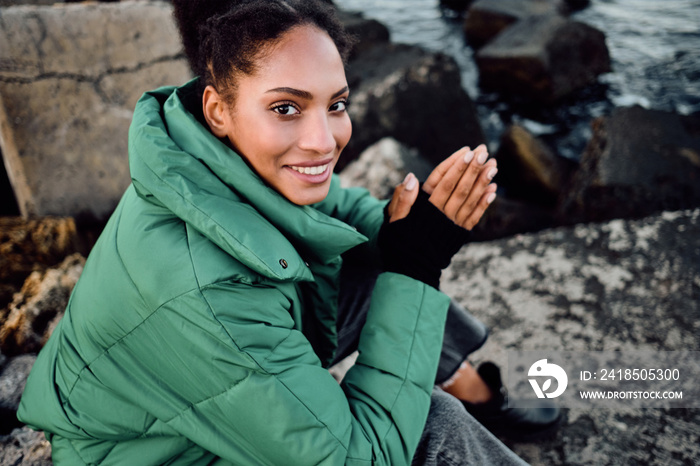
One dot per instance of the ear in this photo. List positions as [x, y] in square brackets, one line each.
[215, 112]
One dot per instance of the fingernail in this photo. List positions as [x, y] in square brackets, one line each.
[483, 155]
[492, 173]
[468, 156]
[491, 198]
[410, 181]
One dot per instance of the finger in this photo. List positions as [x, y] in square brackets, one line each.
[471, 165]
[469, 203]
[405, 196]
[486, 199]
[471, 185]
[439, 171]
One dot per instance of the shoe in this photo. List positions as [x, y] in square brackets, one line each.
[513, 423]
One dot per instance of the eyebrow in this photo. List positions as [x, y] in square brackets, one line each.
[304, 94]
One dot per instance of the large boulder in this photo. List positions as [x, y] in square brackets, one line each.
[530, 170]
[36, 310]
[31, 245]
[543, 58]
[638, 162]
[13, 378]
[366, 32]
[383, 166]
[487, 18]
[25, 447]
[627, 285]
[412, 95]
[69, 80]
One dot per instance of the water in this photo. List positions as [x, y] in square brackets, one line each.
[654, 47]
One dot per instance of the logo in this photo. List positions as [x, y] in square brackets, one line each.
[542, 368]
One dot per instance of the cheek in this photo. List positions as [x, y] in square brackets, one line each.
[343, 132]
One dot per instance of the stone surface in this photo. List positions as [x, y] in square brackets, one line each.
[621, 285]
[70, 76]
[530, 170]
[37, 308]
[638, 162]
[13, 378]
[543, 58]
[367, 32]
[31, 245]
[25, 447]
[383, 166]
[412, 95]
[487, 18]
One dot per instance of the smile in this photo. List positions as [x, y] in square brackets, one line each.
[317, 170]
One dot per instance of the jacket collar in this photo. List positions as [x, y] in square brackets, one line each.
[176, 162]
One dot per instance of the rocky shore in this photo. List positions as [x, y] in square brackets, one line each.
[598, 255]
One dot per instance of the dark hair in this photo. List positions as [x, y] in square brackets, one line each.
[225, 38]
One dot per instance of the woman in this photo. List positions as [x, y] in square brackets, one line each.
[205, 316]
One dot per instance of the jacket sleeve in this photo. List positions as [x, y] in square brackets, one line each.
[252, 391]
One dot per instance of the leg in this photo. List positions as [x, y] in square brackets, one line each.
[452, 437]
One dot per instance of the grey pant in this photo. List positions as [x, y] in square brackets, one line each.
[451, 436]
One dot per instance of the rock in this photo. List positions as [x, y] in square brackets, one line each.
[31, 245]
[575, 5]
[529, 170]
[69, 80]
[487, 18]
[543, 58]
[383, 166]
[38, 307]
[628, 285]
[13, 378]
[507, 217]
[412, 95]
[367, 32]
[25, 447]
[638, 162]
[457, 5]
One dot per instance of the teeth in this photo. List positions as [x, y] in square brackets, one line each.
[311, 170]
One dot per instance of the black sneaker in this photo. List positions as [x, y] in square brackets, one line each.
[513, 423]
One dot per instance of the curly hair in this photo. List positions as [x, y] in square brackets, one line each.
[224, 38]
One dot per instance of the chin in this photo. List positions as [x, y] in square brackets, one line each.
[309, 196]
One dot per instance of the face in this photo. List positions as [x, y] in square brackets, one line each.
[289, 118]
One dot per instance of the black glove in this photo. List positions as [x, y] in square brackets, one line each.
[421, 244]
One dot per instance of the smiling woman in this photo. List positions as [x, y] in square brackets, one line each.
[236, 270]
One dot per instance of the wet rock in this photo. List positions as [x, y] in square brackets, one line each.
[543, 58]
[28, 245]
[37, 308]
[25, 447]
[367, 32]
[628, 285]
[638, 162]
[383, 166]
[457, 5]
[530, 170]
[69, 80]
[13, 378]
[487, 18]
[412, 95]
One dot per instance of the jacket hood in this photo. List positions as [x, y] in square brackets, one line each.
[178, 163]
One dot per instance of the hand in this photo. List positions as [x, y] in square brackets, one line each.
[404, 196]
[461, 186]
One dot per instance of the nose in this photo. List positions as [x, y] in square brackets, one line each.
[317, 134]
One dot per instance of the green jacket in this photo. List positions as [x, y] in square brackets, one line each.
[203, 321]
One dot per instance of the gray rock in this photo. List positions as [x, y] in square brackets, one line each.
[638, 162]
[69, 80]
[487, 18]
[13, 378]
[367, 32]
[530, 170]
[543, 58]
[412, 95]
[622, 285]
[25, 447]
[37, 308]
[383, 166]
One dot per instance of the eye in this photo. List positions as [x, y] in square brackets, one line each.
[285, 109]
[339, 106]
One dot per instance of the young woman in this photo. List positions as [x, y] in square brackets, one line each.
[205, 319]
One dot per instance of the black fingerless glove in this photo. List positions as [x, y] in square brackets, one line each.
[421, 244]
